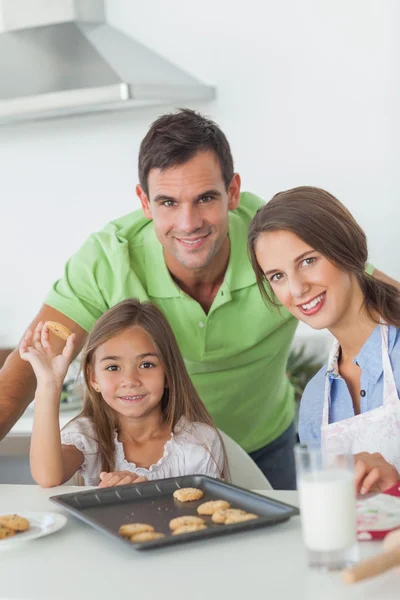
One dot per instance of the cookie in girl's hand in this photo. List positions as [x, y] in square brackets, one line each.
[59, 330]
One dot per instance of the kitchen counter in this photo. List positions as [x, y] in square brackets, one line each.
[17, 441]
[14, 449]
[80, 562]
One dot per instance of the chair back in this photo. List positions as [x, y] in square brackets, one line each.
[243, 470]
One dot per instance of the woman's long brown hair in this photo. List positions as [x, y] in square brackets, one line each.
[323, 222]
[180, 397]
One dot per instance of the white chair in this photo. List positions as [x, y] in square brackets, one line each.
[76, 479]
[243, 470]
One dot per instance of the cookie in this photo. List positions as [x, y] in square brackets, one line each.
[185, 521]
[60, 330]
[146, 536]
[240, 518]
[188, 494]
[131, 529]
[14, 522]
[5, 532]
[188, 529]
[222, 514]
[209, 508]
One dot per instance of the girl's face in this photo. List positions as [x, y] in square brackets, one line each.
[306, 283]
[128, 374]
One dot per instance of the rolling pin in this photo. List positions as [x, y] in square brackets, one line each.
[377, 564]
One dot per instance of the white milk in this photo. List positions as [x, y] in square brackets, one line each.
[328, 509]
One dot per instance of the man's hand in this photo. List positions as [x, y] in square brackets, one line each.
[119, 478]
[374, 473]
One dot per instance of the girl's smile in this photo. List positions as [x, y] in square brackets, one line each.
[130, 399]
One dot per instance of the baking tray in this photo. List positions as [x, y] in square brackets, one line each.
[152, 502]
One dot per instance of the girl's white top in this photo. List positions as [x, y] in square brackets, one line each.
[193, 448]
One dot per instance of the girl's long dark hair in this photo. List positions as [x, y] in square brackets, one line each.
[180, 397]
[323, 222]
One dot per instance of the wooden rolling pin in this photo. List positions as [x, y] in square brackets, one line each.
[377, 564]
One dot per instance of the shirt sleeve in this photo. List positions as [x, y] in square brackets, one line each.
[369, 268]
[82, 293]
[79, 433]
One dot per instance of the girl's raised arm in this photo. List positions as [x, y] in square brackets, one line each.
[51, 463]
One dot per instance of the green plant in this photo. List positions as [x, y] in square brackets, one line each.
[301, 368]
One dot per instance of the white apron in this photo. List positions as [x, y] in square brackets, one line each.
[377, 430]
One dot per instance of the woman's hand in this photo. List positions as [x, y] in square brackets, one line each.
[49, 368]
[374, 473]
[119, 478]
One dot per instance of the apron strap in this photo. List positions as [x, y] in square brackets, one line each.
[331, 362]
[390, 395]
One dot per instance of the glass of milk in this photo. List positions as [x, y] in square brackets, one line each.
[327, 498]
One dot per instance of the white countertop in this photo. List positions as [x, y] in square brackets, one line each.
[80, 562]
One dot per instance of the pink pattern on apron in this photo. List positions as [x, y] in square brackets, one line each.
[377, 430]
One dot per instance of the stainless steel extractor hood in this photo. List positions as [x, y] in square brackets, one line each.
[59, 57]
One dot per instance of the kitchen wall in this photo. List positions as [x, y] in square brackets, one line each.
[308, 93]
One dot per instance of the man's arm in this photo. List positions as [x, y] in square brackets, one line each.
[385, 278]
[17, 380]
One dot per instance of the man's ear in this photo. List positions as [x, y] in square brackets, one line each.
[144, 201]
[234, 192]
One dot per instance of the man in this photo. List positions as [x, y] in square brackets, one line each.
[187, 254]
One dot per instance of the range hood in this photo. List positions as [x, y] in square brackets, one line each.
[60, 57]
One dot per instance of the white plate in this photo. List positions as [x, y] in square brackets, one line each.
[41, 523]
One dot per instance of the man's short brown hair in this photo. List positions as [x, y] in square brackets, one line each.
[175, 138]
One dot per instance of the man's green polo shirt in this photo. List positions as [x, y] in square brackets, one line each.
[236, 354]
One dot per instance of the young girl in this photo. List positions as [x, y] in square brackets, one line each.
[310, 256]
[142, 418]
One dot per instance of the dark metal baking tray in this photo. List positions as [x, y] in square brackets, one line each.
[152, 502]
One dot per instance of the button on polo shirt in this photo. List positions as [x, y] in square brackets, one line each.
[236, 354]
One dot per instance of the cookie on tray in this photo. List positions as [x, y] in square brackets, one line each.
[188, 494]
[5, 532]
[131, 529]
[14, 522]
[210, 507]
[240, 518]
[185, 521]
[222, 514]
[188, 529]
[146, 536]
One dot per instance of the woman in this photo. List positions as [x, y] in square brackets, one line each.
[310, 256]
